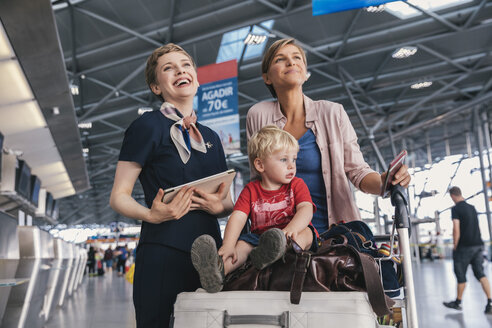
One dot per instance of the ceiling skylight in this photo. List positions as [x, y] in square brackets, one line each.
[403, 11]
[232, 44]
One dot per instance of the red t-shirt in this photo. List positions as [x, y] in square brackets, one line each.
[272, 208]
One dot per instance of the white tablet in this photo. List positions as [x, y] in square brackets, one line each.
[208, 184]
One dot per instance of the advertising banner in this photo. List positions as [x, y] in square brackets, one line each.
[218, 102]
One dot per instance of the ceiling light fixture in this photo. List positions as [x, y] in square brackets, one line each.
[255, 39]
[143, 110]
[374, 9]
[404, 52]
[85, 150]
[421, 85]
[85, 125]
[74, 89]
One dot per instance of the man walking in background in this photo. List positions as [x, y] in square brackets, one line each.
[467, 248]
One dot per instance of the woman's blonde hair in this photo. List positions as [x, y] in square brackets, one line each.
[270, 54]
[150, 68]
[268, 140]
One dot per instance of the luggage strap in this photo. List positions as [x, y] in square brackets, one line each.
[302, 263]
[380, 303]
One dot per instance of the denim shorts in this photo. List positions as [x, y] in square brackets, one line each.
[464, 256]
[254, 238]
[251, 238]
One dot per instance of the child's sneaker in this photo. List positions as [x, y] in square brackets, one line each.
[208, 263]
[488, 309]
[452, 305]
[271, 247]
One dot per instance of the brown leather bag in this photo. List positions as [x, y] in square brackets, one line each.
[334, 267]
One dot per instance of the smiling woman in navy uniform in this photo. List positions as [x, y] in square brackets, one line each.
[164, 149]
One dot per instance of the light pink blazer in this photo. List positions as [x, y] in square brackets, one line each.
[341, 157]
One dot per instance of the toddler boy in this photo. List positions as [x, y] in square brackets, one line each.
[278, 204]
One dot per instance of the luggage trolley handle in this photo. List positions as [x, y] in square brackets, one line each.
[281, 320]
[400, 201]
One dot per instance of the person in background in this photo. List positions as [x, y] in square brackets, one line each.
[91, 261]
[163, 149]
[278, 205]
[99, 256]
[467, 248]
[122, 256]
[329, 153]
[439, 245]
[108, 258]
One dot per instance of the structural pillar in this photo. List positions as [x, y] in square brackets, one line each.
[479, 138]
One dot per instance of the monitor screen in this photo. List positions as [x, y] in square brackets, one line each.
[23, 179]
[35, 186]
[1, 152]
[55, 211]
[49, 204]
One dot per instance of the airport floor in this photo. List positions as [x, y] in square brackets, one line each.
[106, 301]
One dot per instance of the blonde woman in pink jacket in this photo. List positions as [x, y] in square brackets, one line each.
[329, 152]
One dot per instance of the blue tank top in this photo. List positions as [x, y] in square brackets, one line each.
[309, 169]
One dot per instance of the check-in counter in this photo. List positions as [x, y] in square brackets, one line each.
[82, 266]
[63, 254]
[25, 304]
[75, 278]
[9, 258]
[65, 279]
[75, 269]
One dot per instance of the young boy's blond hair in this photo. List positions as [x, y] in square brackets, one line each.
[268, 140]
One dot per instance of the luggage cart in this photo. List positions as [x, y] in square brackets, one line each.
[402, 224]
[316, 309]
[401, 232]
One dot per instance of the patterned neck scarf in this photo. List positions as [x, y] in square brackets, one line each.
[183, 125]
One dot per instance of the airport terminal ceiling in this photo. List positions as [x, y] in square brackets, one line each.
[350, 57]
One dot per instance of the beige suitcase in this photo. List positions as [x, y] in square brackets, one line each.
[251, 309]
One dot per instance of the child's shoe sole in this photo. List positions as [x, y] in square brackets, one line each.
[271, 247]
[208, 263]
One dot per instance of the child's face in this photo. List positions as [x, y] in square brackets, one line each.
[278, 168]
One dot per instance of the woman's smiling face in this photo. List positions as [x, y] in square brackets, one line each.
[287, 68]
[176, 77]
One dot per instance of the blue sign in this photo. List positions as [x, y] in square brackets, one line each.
[321, 7]
[218, 109]
[217, 99]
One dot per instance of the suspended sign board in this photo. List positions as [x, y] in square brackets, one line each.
[321, 7]
[218, 103]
